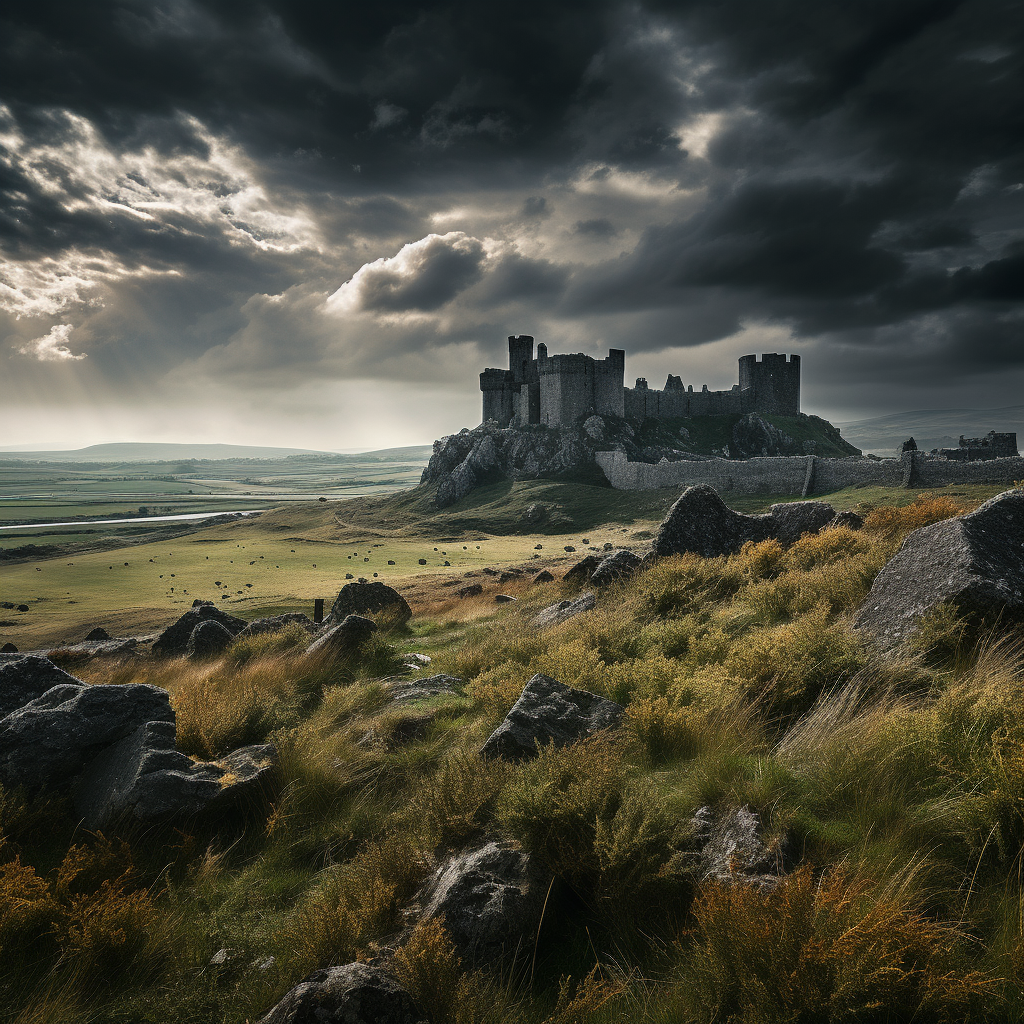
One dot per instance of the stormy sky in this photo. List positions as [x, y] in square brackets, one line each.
[312, 224]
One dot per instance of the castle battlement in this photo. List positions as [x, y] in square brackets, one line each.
[561, 389]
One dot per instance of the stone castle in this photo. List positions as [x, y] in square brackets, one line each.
[558, 390]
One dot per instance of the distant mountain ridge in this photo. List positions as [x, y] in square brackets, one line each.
[130, 451]
[930, 428]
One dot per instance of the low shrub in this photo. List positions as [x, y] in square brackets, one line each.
[922, 511]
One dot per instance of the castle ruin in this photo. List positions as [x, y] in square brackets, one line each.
[559, 390]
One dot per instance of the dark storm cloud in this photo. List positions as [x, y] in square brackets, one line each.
[851, 172]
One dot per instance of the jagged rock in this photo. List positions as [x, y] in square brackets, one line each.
[975, 563]
[701, 522]
[274, 623]
[544, 577]
[364, 599]
[490, 900]
[732, 848]
[174, 639]
[561, 611]
[208, 640]
[8, 648]
[345, 638]
[582, 571]
[549, 712]
[48, 741]
[24, 677]
[144, 778]
[471, 591]
[354, 994]
[424, 689]
[754, 436]
[593, 427]
[534, 513]
[849, 519]
[504, 598]
[99, 633]
[614, 567]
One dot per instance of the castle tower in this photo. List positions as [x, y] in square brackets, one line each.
[774, 382]
[520, 357]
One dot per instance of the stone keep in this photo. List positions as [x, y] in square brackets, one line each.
[559, 390]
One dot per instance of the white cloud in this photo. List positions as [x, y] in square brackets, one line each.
[52, 347]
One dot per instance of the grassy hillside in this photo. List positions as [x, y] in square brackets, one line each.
[889, 789]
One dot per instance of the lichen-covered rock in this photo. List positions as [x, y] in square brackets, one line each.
[473, 590]
[364, 599]
[544, 577]
[207, 640]
[975, 563]
[274, 623]
[562, 611]
[99, 633]
[700, 522]
[847, 518]
[424, 689]
[549, 712]
[344, 639]
[619, 565]
[490, 900]
[24, 677]
[48, 741]
[732, 847]
[173, 640]
[754, 436]
[89, 649]
[353, 994]
[143, 778]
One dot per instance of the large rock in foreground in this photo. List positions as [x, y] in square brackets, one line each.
[354, 994]
[549, 712]
[617, 566]
[23, 677]
[52, 738]
[732, 847]
[700, 522]
[975, 563]
[208, 640]
[174, 639]
[366, 598]
[562, 611]
[344, 639]
[145, 779]
[489, 899]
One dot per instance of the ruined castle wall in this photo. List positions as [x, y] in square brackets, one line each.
[566, 389]
[500, 396]
[645, 403]
[805, 474]
[609, 393]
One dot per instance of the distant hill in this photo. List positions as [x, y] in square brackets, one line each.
[930, 428]
[144, 452]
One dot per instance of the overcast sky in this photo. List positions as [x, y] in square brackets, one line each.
[312, 224]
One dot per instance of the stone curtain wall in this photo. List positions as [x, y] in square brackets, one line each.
[805, 474]
[641, 403]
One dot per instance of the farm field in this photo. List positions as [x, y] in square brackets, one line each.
[285, 558]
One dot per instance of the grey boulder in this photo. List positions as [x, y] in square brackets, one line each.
[23, 677]
[700, 522]
[562, 611]
[275, 623]
[345, 638]
[425, 689]
[173, 640]
[846, 518]
[975, 563]
[51, 739]
[619, 565]
[89, 649]
[99, 633]
[732, 847]
[145, 779]
[365, 599]
[207, 640]
[549, 712]
[356, 993]
[490, 900]
[582, 571]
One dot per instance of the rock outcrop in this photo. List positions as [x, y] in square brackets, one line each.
[365, 599]
[581, 572]
[173, 641]
[732, 847]
[562, 611]
[754, 436]
[549, 712]
[207, 640]
[975, 563]
[619, 565]
[23, 677]
[344, 639]
[356, 993]
[490, 900]
[701, 522]
[50, 740]
[424, 689]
